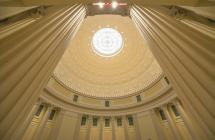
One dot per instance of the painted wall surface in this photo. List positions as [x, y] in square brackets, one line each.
[120, 133]
[66, 125]
[67, 128]
[132, 133]
[83, 133]
[146, 126]
[94, 133]
[107, 133]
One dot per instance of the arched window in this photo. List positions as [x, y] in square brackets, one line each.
[162, 115]
[175, 111]
[39, 110]
[119, 121]
[83, 120]
[130, 121]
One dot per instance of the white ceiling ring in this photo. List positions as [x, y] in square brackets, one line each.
[107, 42]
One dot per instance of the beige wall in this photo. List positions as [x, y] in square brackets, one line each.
[94, 133]
[67, 128]
[107, 133]
[132, 133]
[146, 126]
[66, 125]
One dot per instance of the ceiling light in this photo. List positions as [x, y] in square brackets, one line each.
[101, 5]
[114, 4]
[107, 42]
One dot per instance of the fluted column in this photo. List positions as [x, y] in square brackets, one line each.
[20, 133]
[89, 127]
[113, 128]
[39, 132]
[55, 130]
[101, 128]
[186, 120]
[158, 126]
[28, 58]
[171, 123]
[6, 30]
[125, 125]
[77, 127]
[137, 127]
[205, 29]
[187, 57]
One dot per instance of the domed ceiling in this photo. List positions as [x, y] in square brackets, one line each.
[130, 70]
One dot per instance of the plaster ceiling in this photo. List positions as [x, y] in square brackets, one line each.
[69, 2]
[84, 71]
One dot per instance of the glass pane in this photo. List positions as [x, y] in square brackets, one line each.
[107, 122]
[119, 122]
[130, 121]
[75, 98]
[175, 111]
[51, 116]
[138, 98]
[163, 117]
[39, 110]
[107, 103]
[83, 120]
[95, 120]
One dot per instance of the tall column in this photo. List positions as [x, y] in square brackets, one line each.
[101, 121]
[186, 120]
[57, 124]
[125, 125]
[28, 58]
[20, 133]
[205, 29]
[157, 124]
[137, 127]
[187, 57]
[113, 128]
[39, 132]
[10, 28]
[171, 123]
[89, 127]
[77, 127]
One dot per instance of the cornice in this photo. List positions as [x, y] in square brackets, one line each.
[167, 96]
[108, 98]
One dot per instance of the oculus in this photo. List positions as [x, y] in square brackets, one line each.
[107, 42]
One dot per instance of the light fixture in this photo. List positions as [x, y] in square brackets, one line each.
[101, 4]
[114, 4]
[107, 42]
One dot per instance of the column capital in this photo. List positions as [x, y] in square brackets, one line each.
[39, 101]
[112, 118]
[51, 105]
[152, 111]
[176, 102]
[124, 117]
[164, 106]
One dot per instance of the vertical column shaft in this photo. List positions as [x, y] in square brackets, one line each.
[113, 128]
[89, 128]
[171, 123]
[125, 125]
[101, 128]
[187, 57]
[22, 130]
[137, 127]
[27, 59]
[39, 132]
[77, 127]
[57, 124]
[186, 120]
[157, 124]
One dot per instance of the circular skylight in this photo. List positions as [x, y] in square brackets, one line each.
[107, 42]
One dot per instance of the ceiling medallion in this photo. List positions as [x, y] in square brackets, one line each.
[107, 42]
